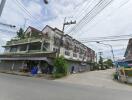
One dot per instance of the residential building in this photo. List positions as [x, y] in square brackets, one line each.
[128, 53]
[40, 48]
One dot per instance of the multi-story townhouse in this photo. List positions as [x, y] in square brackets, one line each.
[128, 53]
[39, 48]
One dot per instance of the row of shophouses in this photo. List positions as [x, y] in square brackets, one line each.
[41, 48]
[128, 53]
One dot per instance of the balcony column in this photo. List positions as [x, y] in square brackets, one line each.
[13, 65]
[42, 44]
[27, 50]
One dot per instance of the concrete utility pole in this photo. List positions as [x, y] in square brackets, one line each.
[100, 54]
[110, 48]
[2, 6]
[25, 22]
[64, 24]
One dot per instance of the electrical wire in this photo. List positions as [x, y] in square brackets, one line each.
[96, 11]
[20, 5]
[109, 14]
[84, 17]
[105, 40]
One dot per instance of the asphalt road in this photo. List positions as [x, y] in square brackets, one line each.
[101, 78]
[26, 88]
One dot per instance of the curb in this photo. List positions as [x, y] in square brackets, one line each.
[28, 75]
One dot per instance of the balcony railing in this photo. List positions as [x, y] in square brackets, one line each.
[26, 40]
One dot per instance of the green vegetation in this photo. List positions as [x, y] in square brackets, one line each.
[20, 34]
[108, 63]
[61, 67]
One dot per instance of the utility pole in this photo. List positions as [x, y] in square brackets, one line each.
[101, 60]
[2, 6]
[25, 22]
[110, 48]
[100, 54]
[96, 58]
[61, 39]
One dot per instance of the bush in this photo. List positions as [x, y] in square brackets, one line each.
[60, 67]
[58, 75]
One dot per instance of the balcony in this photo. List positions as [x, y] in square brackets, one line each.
[25, 41]
[26, 52]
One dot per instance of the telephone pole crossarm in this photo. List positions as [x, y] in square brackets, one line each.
[61, 39]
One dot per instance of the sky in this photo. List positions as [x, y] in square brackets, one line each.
[114, 20]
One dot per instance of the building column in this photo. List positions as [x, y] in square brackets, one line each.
[12, 67]
[42, 45]
[27, 50]
[39, 70]
[23, 63]
[28, 43]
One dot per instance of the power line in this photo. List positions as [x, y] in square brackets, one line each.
[85, 17]
[79, 14]
[90, 19]
[124, 3]
[7, 31]
[107, 37]
[105, 40]
[94, 12]
[19, 4]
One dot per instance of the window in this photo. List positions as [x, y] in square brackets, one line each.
[55, 49]
[35, 46]
[13, 49]
[56, 41]
[23, 47]
[80, 56]
[67, 53]
[7, 49]
[74, 55]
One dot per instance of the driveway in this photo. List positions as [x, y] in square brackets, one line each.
[102, 78]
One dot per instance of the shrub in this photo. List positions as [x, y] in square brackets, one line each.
[60, 67]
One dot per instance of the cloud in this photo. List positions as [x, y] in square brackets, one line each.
[113, 20]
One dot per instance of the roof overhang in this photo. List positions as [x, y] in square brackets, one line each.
[24, 58]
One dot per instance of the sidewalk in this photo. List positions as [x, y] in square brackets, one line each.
[44, 76]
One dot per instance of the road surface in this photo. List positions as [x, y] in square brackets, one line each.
[101, 78]
[14, 87]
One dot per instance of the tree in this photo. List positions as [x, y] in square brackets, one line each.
[20, 33]
[109, 63]
[60, 66]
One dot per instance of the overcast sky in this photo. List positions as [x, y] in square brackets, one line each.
[115, 19]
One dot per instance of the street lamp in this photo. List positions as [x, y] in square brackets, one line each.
[111, 49]
[46, 1]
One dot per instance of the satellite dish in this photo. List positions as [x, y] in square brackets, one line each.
[46, 1]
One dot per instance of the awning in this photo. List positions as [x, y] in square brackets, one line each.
[24, 58]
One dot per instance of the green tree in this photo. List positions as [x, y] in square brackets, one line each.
[20, 33]
[60, 66]
[109, 63]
